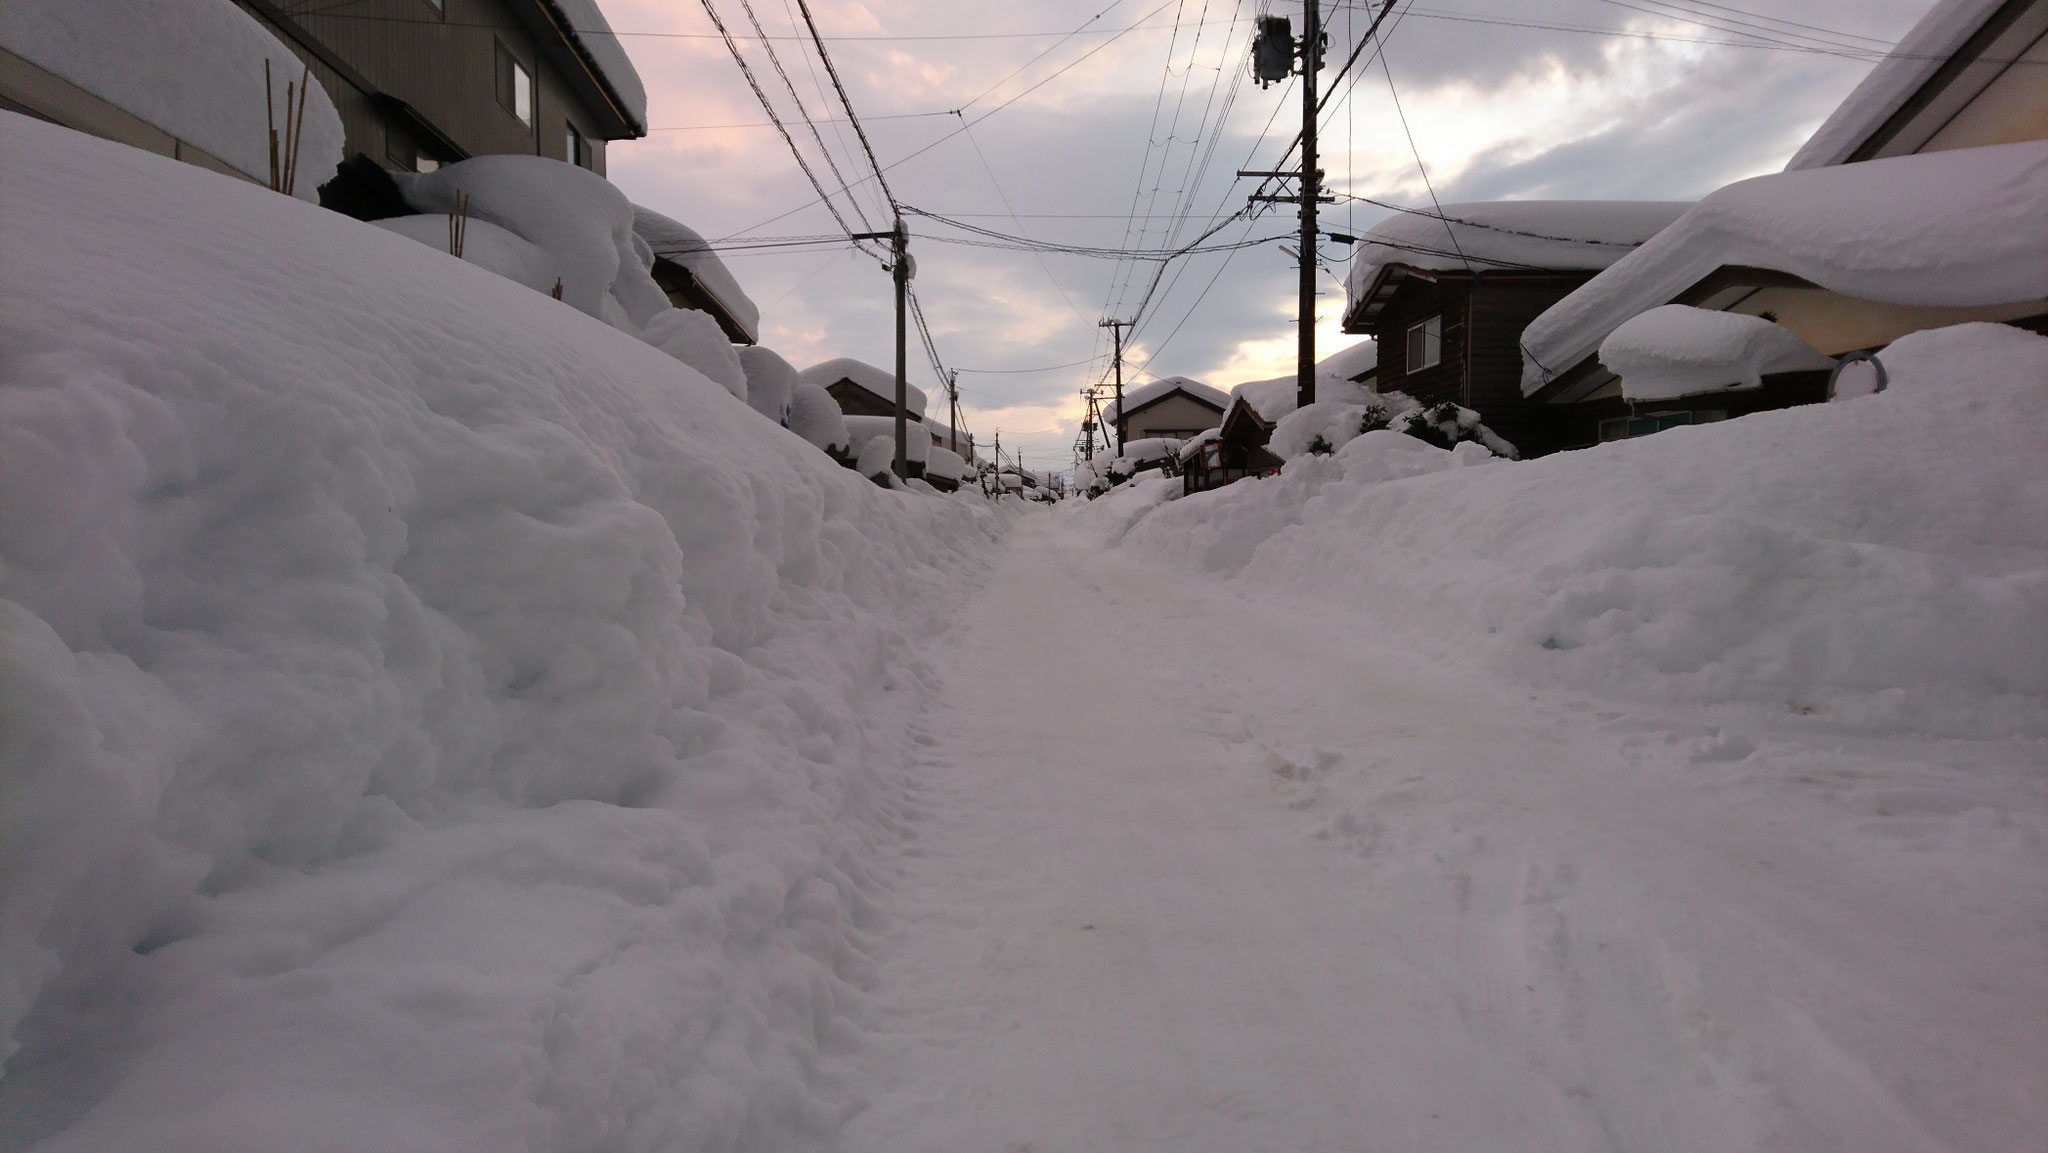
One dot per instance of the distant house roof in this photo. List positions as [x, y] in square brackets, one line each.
[1965, 228]
[696, 271]
[1950, 56]
[1498, 236]
[1146, 395]
[864, 378]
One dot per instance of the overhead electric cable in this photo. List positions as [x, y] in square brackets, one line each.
[775, 59]
[769, 108]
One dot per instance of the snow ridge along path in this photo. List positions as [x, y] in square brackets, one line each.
[1199, 871]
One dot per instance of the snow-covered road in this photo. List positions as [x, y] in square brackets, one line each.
[1197, 870]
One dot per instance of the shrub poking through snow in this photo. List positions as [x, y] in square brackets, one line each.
[1447, 424]
[1321, 446]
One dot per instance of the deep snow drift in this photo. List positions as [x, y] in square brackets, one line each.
[1882, 561]
[436, 720]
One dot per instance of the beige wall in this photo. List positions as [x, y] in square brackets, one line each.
[2014, 108]
[1836, 324]
[1175, 413]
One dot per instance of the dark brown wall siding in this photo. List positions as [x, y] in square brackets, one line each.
[1418, 300]
[1501, 308]
[445, 67]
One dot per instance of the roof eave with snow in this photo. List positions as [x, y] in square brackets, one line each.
[1966, 228]
[593, 61]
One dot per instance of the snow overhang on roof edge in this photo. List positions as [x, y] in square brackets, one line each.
[1966, 228]
[590, 36]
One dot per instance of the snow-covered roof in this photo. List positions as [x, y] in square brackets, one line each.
[1514, 235]
[1144, 394]
[688, 248]
[592, 36]
[1911, 64]
[1967, 228]
[1675, 350]
[1351, 363]
[864, 376]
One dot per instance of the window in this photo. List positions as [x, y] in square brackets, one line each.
[1426, 344]
[515, 85]
[399, 149]
[575, 151]
[1630, 427]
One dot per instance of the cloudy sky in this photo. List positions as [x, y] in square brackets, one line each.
[1122, 124]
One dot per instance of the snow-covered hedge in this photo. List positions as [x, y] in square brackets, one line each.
[433, 719]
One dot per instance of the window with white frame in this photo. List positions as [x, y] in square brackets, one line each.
[1426, 344]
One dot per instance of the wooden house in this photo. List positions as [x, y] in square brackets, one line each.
[1932, 130]
[1175, 407]
[1446, 297]
[864, 390]
[1233, 451]
[693, 276]
[421, 83]
[417, 83]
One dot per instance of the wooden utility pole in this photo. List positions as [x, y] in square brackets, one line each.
[1116, 329]
[1311, 185]
[900, 268]
[953, 409]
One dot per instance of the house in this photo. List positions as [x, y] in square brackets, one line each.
[1231, 452]
[693, 276]
[1446, 296]
[862, 389]
[1939, 151]
[415, 83]
[420, 83]
[1174, 407]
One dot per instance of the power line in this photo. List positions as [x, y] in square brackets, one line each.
[769, 108]
[804, 7]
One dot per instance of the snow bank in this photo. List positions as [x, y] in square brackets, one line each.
[1963, 228]
[435, 720]
[687, 247]
[1524, 234]
[866, 377]
[1912, 62]
[1273, 399]
[1144, 394]
[485, 245]
[193, 68]
[1882, 561]
[1674, 351]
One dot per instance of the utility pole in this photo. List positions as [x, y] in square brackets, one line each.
[901, 268]
[953, 409]
[1271, 54]
[1091, 421]
[1116, 328]
[1311, 185]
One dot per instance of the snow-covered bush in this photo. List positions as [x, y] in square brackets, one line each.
[771, 382]
[694, 338]
[815, 416]
[582, 222]
[1677, 350]
[1328, 425]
